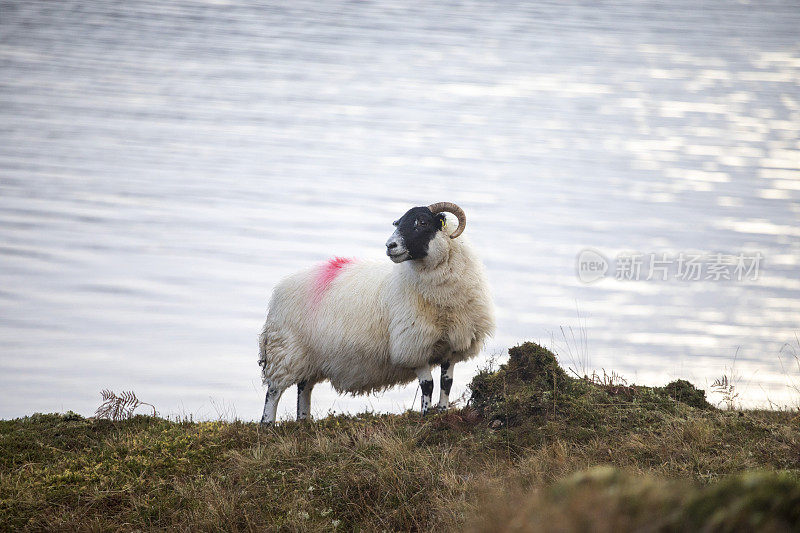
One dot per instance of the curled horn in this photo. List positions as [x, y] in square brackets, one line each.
[450, 207]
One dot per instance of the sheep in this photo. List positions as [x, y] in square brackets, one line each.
[366, 326]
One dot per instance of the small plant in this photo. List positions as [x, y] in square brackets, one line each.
[792, 353]
[727, 389]
[575, 346]
[725, 386]
[491, 361]
[120, 407]
[613, 383]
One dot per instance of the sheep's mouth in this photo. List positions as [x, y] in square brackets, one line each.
[398, 257]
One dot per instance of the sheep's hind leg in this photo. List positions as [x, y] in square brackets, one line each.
[426, 384]
[445, 384]
[271, 405]
[304, 399]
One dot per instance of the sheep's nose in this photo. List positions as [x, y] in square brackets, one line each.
[391, 245]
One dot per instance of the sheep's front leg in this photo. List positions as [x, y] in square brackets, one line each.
[426, 384]
[445, 384]
[304, 399]
[271, 405]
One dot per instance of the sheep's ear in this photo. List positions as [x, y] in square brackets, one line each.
[442, 220]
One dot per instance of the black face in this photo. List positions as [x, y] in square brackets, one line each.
[414, 232]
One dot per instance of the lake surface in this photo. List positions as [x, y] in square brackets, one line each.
[164, 164]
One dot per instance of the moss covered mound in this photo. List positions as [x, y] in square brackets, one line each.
[532, 389]
[681, 390]
[606, 499]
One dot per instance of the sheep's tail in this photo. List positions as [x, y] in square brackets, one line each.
[262, 354]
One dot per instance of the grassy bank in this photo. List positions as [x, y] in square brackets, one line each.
[518, 458]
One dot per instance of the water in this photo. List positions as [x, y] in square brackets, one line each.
[163, 165]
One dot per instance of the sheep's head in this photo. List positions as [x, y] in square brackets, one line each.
[418, 227]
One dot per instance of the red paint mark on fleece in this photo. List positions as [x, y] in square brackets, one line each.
[327, 273]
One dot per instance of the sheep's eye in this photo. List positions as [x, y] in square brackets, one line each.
[422, 222]
[396, 223]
